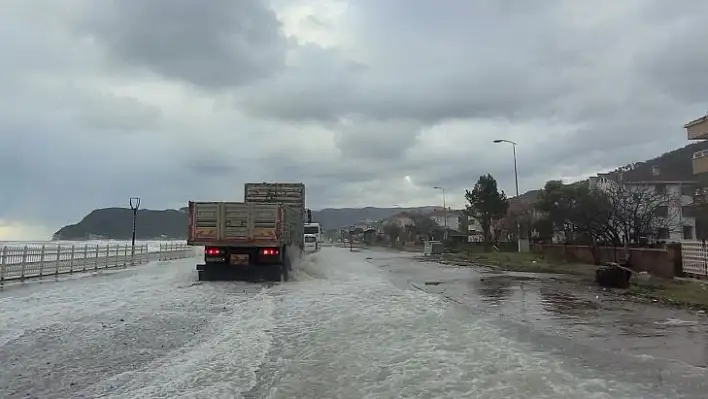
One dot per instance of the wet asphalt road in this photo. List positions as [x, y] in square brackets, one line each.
[369, 324]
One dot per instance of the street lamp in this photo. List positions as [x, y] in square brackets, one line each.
[444, 209]
[134, 205]
[516, 180]
[351, 238]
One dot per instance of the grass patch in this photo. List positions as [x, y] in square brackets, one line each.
[520, 262]
[685, 293]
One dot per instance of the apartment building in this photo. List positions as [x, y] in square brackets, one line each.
[679, 222]
[697, 130]
[448, 218]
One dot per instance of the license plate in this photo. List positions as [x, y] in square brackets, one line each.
[239, 259]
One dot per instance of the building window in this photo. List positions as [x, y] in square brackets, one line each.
[688, 232]
[662, 211]
[688, 189]
[662, 234]
[660, 188]
[688, 211]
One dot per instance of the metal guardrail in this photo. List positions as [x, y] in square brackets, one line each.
[175, 250]
[31, 261]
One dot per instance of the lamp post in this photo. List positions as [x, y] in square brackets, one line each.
[134, 205]
[444, 209]
[516, 180]
[351, 238]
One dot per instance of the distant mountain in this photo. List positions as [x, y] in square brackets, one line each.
[117, 224]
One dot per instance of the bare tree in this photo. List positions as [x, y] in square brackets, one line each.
[641, 212]
[617, 214]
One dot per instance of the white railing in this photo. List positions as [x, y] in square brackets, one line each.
[694, 256]
[20, 262]
[175, 250]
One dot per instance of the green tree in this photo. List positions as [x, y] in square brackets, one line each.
[423, 225]
[486, 204]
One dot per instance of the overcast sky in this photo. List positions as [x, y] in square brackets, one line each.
[369, 102]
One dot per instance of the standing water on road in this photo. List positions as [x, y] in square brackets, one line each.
[345, 328]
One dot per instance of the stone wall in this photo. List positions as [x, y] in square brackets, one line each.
[661, 262]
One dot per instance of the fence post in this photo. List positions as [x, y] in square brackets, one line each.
[24, 262]
[108, 254]
[125, 255]
[57, 261]
[73, 256]
[3, 263]
[41, 260]
[85, 260]
[95, 259]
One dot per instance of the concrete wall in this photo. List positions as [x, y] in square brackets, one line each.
[658, 262]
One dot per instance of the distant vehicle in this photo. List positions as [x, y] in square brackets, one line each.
[316, 230]
[258, 238]
[311, 244]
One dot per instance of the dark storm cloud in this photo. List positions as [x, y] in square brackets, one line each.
[364, 139]
[215, 44]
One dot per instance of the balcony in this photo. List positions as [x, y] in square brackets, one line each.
[700, 162]
[697, 129]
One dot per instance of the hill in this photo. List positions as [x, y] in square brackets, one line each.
[673, 165]
[116, 223]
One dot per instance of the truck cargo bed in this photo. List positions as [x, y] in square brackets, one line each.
[289, 194]
[241, 224]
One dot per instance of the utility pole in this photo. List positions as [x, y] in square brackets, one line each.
[444, 209]
[134, 205]
[518, 199]
[351, 238]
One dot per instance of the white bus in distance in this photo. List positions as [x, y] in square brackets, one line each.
[311, 244]
[316, 230]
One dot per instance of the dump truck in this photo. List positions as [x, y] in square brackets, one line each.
[259, 238]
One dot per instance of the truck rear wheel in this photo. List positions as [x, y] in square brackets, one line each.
[285, 272]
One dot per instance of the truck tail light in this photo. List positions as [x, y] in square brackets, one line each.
[269, 252]
[212, 251]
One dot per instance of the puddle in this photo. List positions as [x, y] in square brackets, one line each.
[594, 316]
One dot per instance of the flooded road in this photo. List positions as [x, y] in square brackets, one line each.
[351, 325]
[561, 307]
[557, 305]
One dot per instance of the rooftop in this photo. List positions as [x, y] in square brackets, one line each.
[696, 121]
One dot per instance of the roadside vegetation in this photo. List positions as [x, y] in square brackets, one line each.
[678, 292]
[474, 255]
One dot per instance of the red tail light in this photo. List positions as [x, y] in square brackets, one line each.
[269, 251]
[212, 251]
